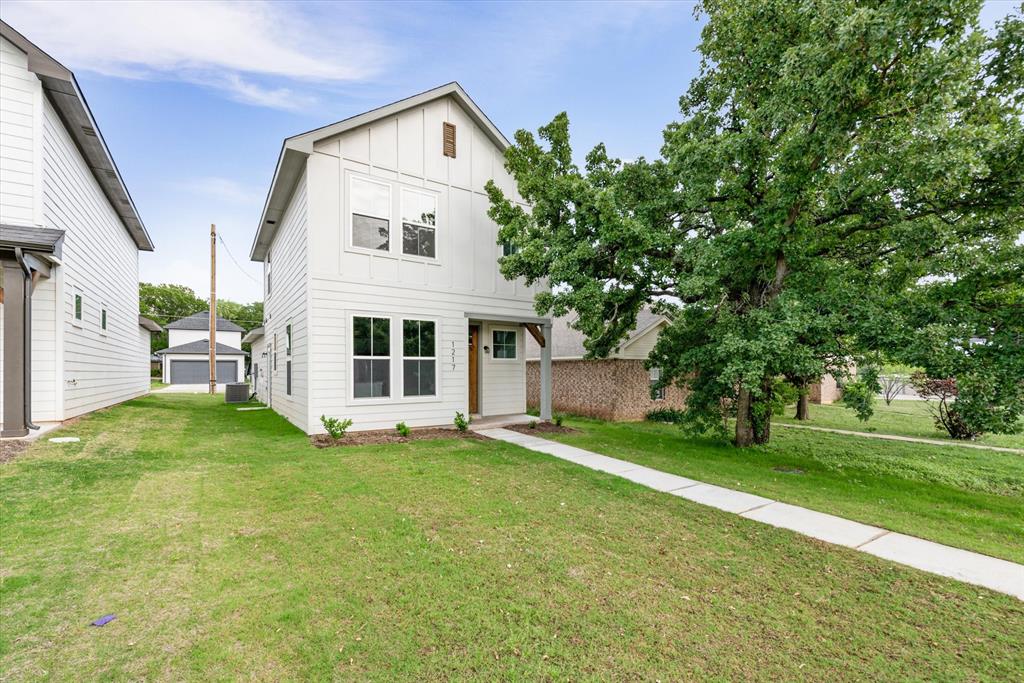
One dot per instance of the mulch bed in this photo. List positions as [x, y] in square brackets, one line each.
[386, 436]
[542, 428]
[10, 448]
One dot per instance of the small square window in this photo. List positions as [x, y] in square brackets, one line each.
[504, 344]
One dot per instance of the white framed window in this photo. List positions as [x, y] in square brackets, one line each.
[78, 306]
[103, 318]
[371, 356]
[419, 223]
[370, 214]
[288, 339]
[419, 358]
[659, 393]
[503, 344]
[507, 249]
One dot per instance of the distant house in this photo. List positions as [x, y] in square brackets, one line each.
[614, 388]
[186, 360]
[259, 365]
[72, 339]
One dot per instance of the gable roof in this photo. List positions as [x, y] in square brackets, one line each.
[60, 86]
[567, 342]
[252, 335]
[296, 149]
[203, 346]
[201, 321]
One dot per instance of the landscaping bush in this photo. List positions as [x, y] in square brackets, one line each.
[402, 429]
[671, 415]
[461, 423]
[559, 418]
[533, 424]
[335, 427]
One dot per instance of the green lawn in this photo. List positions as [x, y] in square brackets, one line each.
[229, 548]
[964, 497]
[156, 384]
[903, 418]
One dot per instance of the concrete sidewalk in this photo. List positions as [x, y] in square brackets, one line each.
[896, 437]
[982, 570]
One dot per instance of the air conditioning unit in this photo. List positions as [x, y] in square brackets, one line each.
[236, 392]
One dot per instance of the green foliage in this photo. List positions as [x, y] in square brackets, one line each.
[461, 423]
[670, 415]
[532, 424]
[840, 170]
[559, 418]
[860, 395]
[165, 303]
[335, 427]
[402, 429]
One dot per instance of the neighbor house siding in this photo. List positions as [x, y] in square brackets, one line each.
[176, 337]
[20, 129]
[287, 304]
[404, 151]
[608, 389]
[100, 260]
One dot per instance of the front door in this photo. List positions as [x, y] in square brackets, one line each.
[474, 365]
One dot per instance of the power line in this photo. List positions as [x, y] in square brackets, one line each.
[237, 264]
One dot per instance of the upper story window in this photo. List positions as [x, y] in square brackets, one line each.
[507, 249]
[267, 267]
[419, 223]
[504, 344]
[371, 214]
[371, 357]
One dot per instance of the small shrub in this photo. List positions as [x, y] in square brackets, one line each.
[335, 427]
[461, 423]
[402, 429]
[533, 424]
[671, 415]
[559, 418]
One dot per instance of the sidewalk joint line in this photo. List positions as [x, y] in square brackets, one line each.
[757, 507]
[884, 532]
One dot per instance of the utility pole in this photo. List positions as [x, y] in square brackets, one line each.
[213, 309]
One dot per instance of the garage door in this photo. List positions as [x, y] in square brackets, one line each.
[198, 371]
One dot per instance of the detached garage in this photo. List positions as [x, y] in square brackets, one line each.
[198, 371]
[187, 361]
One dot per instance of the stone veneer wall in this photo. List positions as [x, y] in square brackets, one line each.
[610, 389]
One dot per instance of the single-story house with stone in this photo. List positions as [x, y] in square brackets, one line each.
[614, 388]
[186, 360]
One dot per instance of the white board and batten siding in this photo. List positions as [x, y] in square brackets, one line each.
[287, 304]
[100, 262]
[405, 152]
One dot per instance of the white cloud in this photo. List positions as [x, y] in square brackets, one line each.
[226, 45]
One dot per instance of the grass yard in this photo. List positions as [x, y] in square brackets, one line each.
[903, 418]
[228, 547]
[964, 497]
[156, 384]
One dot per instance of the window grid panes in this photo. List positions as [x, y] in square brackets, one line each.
[371, 214]
[419, 364]
[657, 394]
[371, 340]
[419, 221]
[504, 344]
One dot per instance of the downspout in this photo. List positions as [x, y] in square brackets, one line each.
[27, 332]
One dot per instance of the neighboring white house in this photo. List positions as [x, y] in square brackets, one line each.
[186, 360]
[259, 363]
[383, 301]
[72, 340]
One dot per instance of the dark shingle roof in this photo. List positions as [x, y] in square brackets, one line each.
[201, 321]
[203, 346]
[30, 238]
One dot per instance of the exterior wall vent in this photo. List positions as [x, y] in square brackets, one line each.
[449, 139]
[89, 130]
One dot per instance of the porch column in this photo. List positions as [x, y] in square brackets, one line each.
[14, 357]
[545, 374]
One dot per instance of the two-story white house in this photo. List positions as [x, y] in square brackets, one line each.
[72, 339]
[186, 360]
[383, 301]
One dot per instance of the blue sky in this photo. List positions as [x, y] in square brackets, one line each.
[194, 98]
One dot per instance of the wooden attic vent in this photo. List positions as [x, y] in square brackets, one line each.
[449, 139]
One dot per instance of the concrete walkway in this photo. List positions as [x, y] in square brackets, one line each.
[894, 437]
[982, 570]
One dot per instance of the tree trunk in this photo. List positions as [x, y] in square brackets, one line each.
[744, 425]
[802, 403]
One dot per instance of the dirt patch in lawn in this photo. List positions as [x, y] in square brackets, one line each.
[542, 428]
[10, 448]
[386, 436]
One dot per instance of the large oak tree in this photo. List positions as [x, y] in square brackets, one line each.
[833, 162]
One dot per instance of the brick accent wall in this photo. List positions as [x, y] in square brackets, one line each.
[610, 389]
